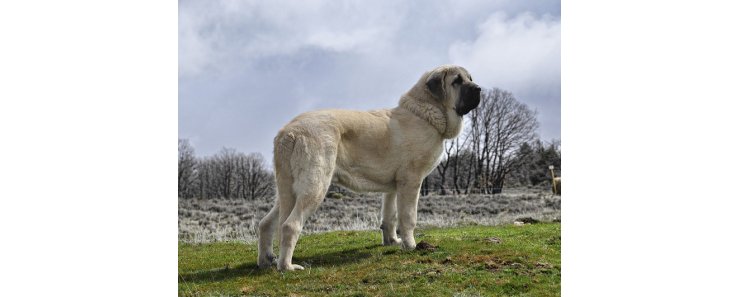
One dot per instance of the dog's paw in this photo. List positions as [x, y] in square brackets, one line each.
[392, 241]
[290, 267]
[267, 261]
[408, 245]
[264, 264]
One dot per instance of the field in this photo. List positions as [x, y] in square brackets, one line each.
[211, 220]
[475, 249]
[507, 260]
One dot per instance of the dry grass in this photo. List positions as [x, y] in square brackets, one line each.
[236, 220]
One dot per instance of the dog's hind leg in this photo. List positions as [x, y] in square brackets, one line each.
[306, 204]
[269, 223]
[312, 180]
[267, 226]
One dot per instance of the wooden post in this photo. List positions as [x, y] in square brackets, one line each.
[554, 185]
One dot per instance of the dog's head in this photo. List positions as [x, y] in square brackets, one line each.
[454, 88]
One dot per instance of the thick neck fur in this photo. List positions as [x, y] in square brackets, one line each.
[420, 102]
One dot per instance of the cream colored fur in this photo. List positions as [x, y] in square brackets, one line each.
[389, 151]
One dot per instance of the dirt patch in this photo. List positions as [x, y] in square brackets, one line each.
[447, 260]
[424, 261]
[494, 264]
[497, 263]
[494, 240]
[246, 290]
[425, 246]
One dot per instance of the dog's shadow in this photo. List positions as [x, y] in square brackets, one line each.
[250, 269]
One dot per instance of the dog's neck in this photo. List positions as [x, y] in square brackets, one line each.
[435, 115]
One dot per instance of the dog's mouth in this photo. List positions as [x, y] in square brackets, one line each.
[469, 100]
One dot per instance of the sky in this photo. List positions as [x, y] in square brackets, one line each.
[246, 68]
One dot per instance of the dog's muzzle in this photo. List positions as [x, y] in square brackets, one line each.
[469, 99]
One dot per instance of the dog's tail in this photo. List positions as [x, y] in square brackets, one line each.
[283, 150]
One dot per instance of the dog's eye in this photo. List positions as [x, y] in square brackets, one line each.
[458, 80]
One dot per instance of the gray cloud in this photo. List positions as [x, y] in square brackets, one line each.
[248, 67]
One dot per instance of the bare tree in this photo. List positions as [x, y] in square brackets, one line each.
[458, 161]
[254, 180]
[186, 169]
[230, 174]
[525, 164]
[206, 168]
[225, 173]
[468, 162]
[444, 165]
[424, 190]
[499, 126]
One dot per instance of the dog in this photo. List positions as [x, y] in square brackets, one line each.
[388, 150]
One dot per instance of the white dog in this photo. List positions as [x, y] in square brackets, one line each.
[389, 150]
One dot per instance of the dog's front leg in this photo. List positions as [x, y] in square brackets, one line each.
[408, 198]
[390, 220]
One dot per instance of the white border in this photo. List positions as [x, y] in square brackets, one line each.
[88, 117]
[650, 92]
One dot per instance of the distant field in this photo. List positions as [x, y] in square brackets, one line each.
[210, 220]
[507, 260]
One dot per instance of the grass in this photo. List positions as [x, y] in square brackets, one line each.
[506, 260]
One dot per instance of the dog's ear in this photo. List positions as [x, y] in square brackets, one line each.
[435, 84]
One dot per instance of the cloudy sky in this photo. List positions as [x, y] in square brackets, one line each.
[248, 67]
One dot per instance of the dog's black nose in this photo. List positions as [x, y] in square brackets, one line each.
[476, 88]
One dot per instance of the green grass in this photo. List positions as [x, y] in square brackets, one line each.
[468, 261]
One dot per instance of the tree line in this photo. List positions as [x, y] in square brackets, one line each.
[498, 148]
[528, 168]
[227, 174]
